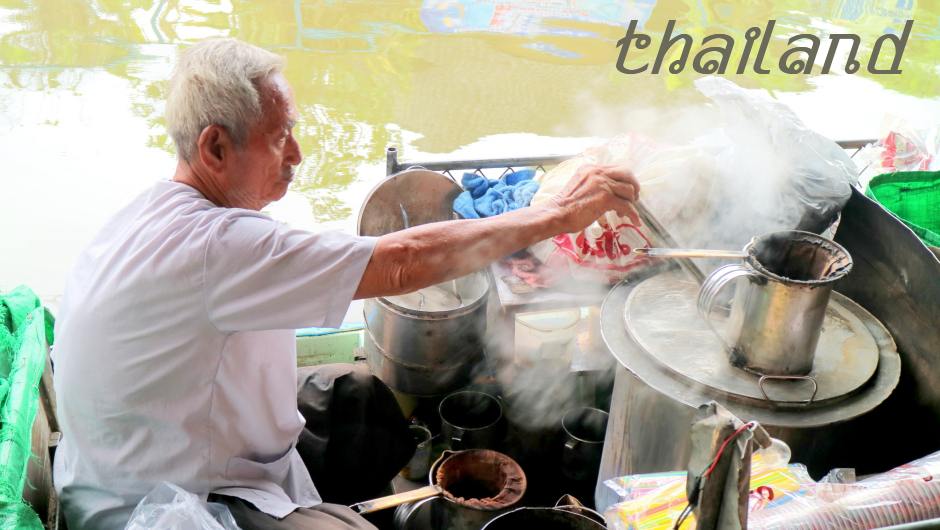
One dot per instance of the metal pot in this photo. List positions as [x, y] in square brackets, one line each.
[427, 353]
[557, 518]
[656, 395]
[414, 348]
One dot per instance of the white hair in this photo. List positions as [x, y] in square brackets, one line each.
[216, 82]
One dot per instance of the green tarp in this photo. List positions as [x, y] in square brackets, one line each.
[25, 335]
[913, 196]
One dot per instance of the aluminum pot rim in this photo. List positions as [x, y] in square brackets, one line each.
[419, 314]
[543, 508]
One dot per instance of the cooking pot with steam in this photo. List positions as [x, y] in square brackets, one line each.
[671, 359]
[426, 342]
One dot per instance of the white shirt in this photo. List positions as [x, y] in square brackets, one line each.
[175, 354]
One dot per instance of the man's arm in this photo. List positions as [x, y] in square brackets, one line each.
[425, 255]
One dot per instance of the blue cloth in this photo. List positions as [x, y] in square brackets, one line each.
[485, 198]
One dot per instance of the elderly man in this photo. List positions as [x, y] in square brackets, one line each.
[175, 353]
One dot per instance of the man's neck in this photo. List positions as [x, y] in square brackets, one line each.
[185, 174]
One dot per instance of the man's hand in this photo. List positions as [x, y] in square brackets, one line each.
[595, 190]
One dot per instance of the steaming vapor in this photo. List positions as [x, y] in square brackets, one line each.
[715, 175]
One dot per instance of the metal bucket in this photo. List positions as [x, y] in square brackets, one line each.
[776, 316]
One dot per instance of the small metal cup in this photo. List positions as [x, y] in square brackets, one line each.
[777, 314]
[417, 468]
[471, 420]
[585, 429]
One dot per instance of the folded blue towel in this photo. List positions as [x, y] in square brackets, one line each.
[485, 198]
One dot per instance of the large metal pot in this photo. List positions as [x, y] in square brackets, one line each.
[654, 401]
[427, 353]
[414, 348]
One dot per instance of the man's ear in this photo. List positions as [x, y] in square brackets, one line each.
[213, 146]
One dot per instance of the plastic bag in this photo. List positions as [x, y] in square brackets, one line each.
[606, 246]
[906, 494]
[901, 148]
[784, 496]
[654, 501]
[169, 507]
[754, 168]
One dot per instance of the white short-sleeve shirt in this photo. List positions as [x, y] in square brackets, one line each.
[175, 354]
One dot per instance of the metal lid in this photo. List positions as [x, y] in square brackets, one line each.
[410, 198]
[672, 382]
[660, 315]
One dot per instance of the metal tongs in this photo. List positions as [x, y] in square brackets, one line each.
[689, 253]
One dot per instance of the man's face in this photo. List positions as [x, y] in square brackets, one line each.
[264, 167]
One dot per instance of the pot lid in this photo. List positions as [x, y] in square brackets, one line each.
[669, 380]
[409, 198]
[661, 316]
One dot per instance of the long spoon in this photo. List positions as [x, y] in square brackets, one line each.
[689, 253]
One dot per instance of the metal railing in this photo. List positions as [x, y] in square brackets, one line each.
[394, 165]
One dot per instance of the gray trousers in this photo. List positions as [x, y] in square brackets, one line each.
[325, 516]
[354, 442]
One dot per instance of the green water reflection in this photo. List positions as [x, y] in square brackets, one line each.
[432, 76]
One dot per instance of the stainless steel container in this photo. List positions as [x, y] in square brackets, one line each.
[777, 313]
[427, 353]
[417, 348]
[584, 430]
[471, 420]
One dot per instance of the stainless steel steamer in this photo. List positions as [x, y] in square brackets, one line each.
[657, 392]
[419, 351]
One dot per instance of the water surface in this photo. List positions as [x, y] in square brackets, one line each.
[82, 85]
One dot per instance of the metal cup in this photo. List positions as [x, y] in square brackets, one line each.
[584, 429]
[471, 420]
[777, 315]
[417, 468]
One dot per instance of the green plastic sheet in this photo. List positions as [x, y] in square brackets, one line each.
[913, 196]
[25, 335]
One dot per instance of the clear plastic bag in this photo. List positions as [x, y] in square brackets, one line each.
[905, 494]
[654, 501]
[169, 507]
[604, 249]
[901, 148]
[745, 165]
[773, 172]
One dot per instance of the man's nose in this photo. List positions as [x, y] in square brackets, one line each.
[293, 156]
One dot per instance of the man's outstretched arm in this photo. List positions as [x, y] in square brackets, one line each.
[425, 255]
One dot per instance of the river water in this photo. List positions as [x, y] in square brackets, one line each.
[82, 84]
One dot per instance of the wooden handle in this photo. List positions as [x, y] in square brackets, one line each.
[391, 501]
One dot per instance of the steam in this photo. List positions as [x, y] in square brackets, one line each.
[717, 174]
